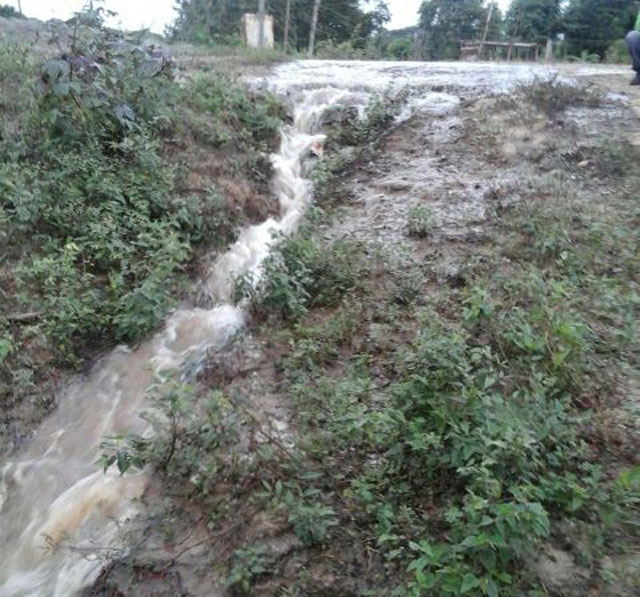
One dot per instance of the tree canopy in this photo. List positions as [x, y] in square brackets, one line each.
[589, 25]
[9, 12]
[533, 19]
[592, 25]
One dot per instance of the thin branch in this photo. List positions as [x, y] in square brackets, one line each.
[21, 317]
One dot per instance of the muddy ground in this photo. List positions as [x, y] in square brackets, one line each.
[463, 167]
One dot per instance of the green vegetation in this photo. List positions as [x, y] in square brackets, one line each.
[100, 211]
[483, 440]
[348, 29]
[249, 564]
[591, 26]
[401, 49]
[617, 53]
[533, 19]
[301, 275]
[445, 23]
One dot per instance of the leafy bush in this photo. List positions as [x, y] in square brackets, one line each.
[311, 519]
[16, 95]
[248, 564]
[345, 50]
[193, 440]
[102, 257]
[107, 86]
[375, 122]
[230, 116]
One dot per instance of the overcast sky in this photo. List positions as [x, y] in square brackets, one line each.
[155, 14]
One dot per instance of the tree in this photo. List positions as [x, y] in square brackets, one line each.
[400, 49]
[9, 12]
[338, 20]
[593, 25]
[314, 26]
[496, 25]
[533, 20]
[446, 22]
[372, 22]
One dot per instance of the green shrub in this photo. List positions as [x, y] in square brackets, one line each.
[299, 275]
[68, 296]
[248, 565]
[362, 132]
[16, 95]
[231, 116]
[194, 440]
[330, 50]
[79, 100]
[590, 57]
[311, 520]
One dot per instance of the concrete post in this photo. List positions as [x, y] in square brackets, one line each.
[548, 56]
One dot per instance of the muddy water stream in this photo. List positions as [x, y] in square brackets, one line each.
[52, 493]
